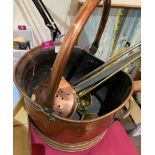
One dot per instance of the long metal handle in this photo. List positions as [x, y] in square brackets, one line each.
[127, 113]
[85, 78]
[104, 75]
[103, 21]
[67, 46]
[49, 22]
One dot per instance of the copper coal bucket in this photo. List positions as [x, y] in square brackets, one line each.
[35, 66]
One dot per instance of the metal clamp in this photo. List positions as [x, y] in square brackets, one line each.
[42, 109]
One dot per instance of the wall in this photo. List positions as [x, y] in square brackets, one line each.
[123, 24]
[62, 11]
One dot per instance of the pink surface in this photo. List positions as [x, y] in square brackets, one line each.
[47, 44]
[21, 27]
[115, 142]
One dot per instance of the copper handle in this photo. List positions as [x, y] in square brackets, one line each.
[103, 21]
[68, 44]
[129, 109]
[127, 112]
[136, 86]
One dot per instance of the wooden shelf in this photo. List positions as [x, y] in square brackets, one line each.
[121, 3]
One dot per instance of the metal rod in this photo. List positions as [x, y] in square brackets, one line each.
[86, 91]
[105, 74]
[53, 23]
[103, 21]
[41, 11]
[89, 75]
[49, 22]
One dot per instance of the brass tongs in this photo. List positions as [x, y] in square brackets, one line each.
[107, 70]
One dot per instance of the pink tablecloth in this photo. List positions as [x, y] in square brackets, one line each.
[115, 142]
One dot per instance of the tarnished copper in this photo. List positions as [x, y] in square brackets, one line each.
[58, 129]
[61, 130]
[103, 21]
[74, 147]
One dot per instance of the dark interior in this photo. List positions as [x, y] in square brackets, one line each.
[105, 98]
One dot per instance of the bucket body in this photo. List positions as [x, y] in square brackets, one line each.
[70, 134]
